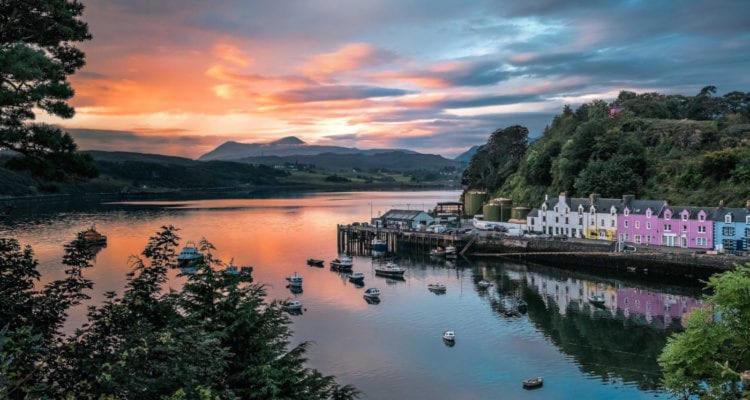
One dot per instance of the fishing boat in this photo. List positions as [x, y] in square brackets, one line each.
[533, 383]
[390, 269]
[189, 256]
[373, 293]
[314, 262]
[379, 245]
[93, 238]
[437, 252]
[294, 280]
[293, 305]
[357, 277]
[597, 300]
[483, 284]
[437, 287]
[449, 336]
[342, 264]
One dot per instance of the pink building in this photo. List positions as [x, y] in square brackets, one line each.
[661, 307]
[654, 222]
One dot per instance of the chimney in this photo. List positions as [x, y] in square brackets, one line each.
[721, 203]
[546, 197]
[593, 197]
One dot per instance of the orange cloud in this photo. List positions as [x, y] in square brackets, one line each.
[349, 58]
[232, 54]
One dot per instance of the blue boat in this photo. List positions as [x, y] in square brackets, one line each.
[379, 245]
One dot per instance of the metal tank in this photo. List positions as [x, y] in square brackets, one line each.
[473, 200]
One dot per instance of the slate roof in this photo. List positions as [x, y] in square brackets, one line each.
[738, 214]
[639, 207]
[692, 211]
[405, 215]
[573, 202]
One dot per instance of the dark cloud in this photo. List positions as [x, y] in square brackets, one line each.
[337, 92]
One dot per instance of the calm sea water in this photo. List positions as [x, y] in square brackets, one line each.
[393, 350]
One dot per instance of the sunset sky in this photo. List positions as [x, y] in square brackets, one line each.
[181, 76]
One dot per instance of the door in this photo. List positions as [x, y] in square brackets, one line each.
[668, 241]
[683, 242]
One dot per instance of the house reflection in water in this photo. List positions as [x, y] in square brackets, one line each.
[660, 310]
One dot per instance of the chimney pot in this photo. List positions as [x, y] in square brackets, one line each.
[721, 203]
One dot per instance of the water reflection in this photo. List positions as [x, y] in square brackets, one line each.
[513, 321]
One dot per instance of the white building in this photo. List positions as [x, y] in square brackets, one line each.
[576, 217]
[404, 219]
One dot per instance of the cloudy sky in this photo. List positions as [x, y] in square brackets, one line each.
[181, 76]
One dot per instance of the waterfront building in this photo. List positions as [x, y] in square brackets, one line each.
[404, 219]
[655, 222]
[732, 229]
[577, 217]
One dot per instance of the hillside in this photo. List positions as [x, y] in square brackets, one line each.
[466, 156]
[288, 146]
[688, 150]
[392, 160]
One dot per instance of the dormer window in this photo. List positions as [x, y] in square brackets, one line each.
[544, 207]
[685, 216]
[627, 212]
[701, 217]
[648, 213]
[667, 214]
[728, 218]
[556, 209]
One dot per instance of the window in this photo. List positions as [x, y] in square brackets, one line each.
[566, 221]
[602, 223]
[627, 212]
[702, 229]
[637, 224]
[648, 225]
[747, 219]
[626, 237]
[727, 231]
[701, 241]
[637, 239]
[544, 218]
[626, 224]
[667, 227]
[684, 216]
[580, 220]
[557, 219]
[684, 228]
[648, 238]
[555, 208]
[747, 232]
[667, 214]
[701, 217]
[612, 223]
[648, 213]
[728, 218]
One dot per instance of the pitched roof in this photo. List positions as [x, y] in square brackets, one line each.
[401, 214]
[738, 214]
[640, 206]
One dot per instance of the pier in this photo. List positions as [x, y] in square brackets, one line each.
[357, 239]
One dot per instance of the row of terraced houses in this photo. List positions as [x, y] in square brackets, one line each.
[644, 222]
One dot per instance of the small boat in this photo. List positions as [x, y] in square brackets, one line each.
[632, 269]
[343, 264]
[437, 287]
[533, 383]
[189, 256]
[295, 280]
[372, 293]
[314, 262]
[596, 299]
[450, 250]
[437, 252]
[483, 284]
[93, 238]
[390, 269]
[293, 305]
[372, 300]
[379, 245]
[357, 277]
[449, 336]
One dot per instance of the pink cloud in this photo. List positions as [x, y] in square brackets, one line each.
[348, 58]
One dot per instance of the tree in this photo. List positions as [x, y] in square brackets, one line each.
[708, 358]
[36, 57]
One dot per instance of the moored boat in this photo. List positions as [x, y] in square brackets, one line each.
[449, 336]
[93, 238]
[293, 305]
[189, 256]
[450, 250]
[342, 264]
[314, 262]
[597, 300]
[437, 252]
[437, 287]
[390, 269]
[533, 383]
[373, 293]
[357, 277]
[483, 284]
[295, 280]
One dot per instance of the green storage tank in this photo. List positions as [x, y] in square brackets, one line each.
[491, 212]
[519, 213]
[473, 200]
[505, 205]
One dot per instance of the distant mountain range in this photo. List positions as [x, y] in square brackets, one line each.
[468, 154]
[288, 146]
[293, 150]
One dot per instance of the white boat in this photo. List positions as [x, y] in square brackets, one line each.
[450, 250]
[449, 336]
[437, 287]
[189, 256]
[343, 263]
[372, 293]
[390, 269]
[295, 280]
[293, 305]
[484, 284]
[357, 277]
